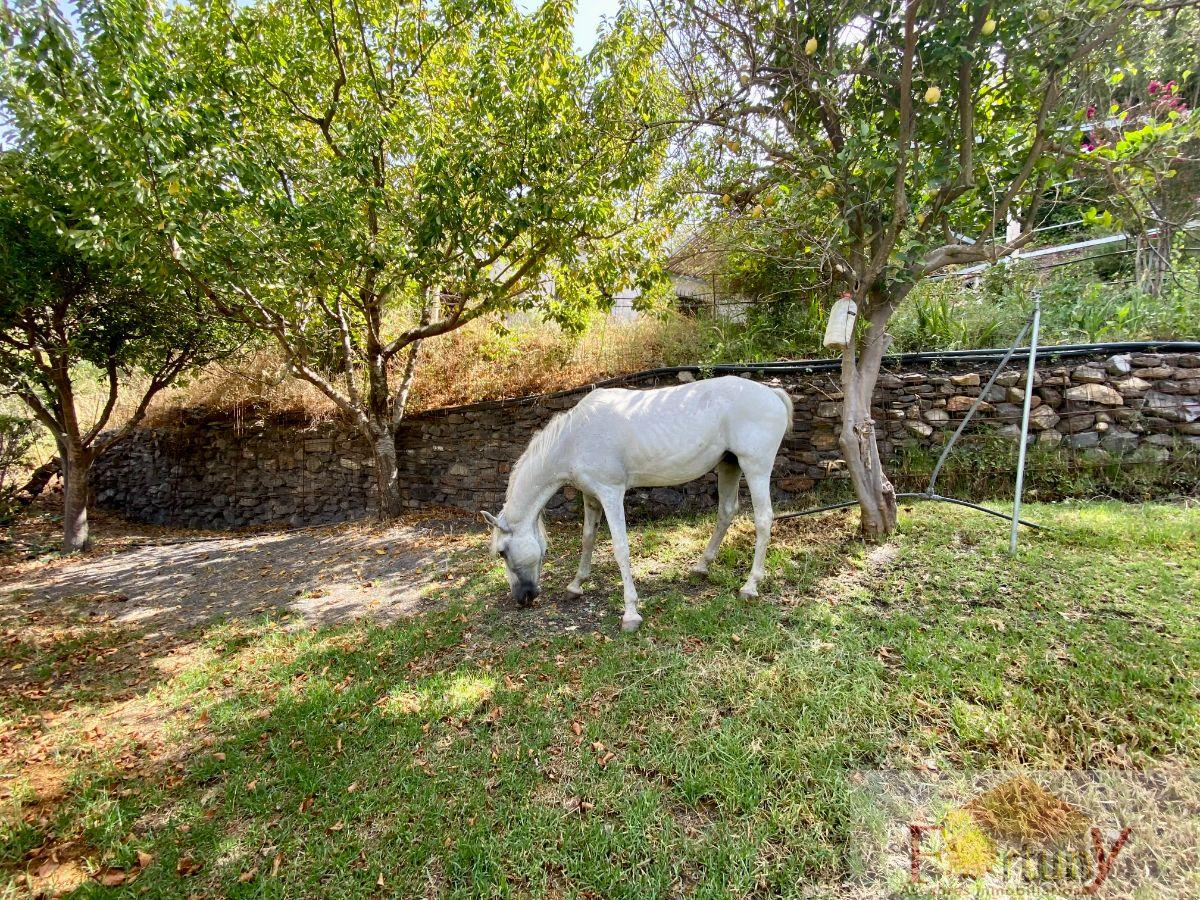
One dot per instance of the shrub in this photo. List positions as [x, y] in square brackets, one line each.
[17, 436]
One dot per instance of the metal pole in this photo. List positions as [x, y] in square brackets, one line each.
[962, 426]
[1033, 341]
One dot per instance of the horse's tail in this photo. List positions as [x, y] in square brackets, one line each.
[787, 402]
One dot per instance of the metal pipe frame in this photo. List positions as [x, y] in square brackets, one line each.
[1028, 405]
[930, 493]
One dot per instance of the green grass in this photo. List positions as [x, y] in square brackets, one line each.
[439, 756]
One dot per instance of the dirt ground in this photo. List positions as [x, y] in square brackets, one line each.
[163, 583]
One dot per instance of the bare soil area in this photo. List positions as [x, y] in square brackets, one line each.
[164, 583]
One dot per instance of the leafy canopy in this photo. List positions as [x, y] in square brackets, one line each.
[886, 142]
[356, 176]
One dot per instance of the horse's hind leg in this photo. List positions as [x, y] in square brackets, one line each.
[593, 512]
[728, 476]
[758, 479]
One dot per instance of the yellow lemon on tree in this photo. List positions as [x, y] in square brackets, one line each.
[933, 95]
[989, 26]
[810, 46]
[1043, 15]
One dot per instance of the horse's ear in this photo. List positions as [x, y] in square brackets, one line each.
[495, 521]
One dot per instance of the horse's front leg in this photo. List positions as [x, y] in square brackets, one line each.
[593, 512]
[759, 483]
[613, 501]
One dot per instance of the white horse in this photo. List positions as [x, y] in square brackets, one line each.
[616, 439]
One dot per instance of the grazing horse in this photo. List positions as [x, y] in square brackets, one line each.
[616, 439]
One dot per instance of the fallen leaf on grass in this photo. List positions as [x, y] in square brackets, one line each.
[276, 863]
[248, 875]
[577, 804]
[187, 866]
[46, 869]
[577, 728]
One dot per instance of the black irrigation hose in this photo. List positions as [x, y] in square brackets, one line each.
[907, 496]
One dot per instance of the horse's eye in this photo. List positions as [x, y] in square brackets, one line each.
[503, 554]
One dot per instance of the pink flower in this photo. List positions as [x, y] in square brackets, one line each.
[1091, 112]
[1153, 87]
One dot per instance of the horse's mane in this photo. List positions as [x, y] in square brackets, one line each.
[538, 449]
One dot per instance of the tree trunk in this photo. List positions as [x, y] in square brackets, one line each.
[387, 473]
[860, 447]
[76, 468]
[858, 440]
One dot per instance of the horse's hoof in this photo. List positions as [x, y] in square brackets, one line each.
[631, 623]
[574, 592]
[699, 570]
[748, 593]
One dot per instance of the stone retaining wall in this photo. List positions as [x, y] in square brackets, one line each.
[223, 474]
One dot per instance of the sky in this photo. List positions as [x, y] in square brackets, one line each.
[587, 18]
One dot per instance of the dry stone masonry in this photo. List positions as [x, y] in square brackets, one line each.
[221, 474]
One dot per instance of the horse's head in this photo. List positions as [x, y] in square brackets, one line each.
[522, 547]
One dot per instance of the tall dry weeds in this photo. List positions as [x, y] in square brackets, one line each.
[485, 360]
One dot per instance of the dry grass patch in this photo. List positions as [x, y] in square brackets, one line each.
[488, 359]
[1022, 810]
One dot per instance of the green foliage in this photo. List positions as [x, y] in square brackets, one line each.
[351, 179]
[58, 299]
[1077, 307]
[17, 437]
[847, 148]
[841, 122]
[339, 176]
[788, 328]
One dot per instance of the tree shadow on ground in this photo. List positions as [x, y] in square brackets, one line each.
[321, 576]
